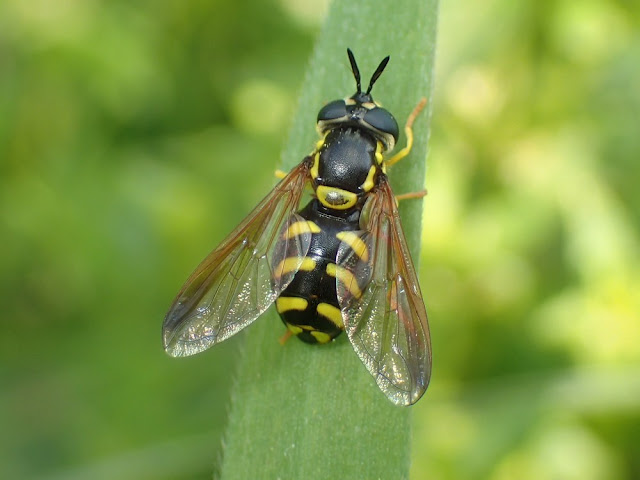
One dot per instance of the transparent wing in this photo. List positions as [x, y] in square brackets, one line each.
[381, 303]
[243, 275]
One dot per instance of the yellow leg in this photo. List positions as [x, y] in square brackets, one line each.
[280, 174]
[409, 133]
[408, 195]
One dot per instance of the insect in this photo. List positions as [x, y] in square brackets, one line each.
[340, 263]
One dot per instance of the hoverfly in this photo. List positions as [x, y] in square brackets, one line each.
[341, 262]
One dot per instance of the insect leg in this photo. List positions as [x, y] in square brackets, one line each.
[408, 130]
[408, 195]
[287, 335]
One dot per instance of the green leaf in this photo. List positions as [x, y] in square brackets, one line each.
[301, 411]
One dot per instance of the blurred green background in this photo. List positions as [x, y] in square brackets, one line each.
[135, 135]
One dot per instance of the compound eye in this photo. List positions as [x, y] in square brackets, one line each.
[332, 111]
[382, 120]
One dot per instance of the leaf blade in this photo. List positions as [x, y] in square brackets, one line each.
[303, 411]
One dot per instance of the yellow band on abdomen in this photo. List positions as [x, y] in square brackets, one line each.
[355, 242]
[346, 277]
[331, 313]
[290, 264]
[284, 304]
[298, 228]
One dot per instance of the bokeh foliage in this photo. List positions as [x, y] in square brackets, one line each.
[531, 244]
[126, 130]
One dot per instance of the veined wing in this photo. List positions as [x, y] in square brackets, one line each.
[243, 275]
[381, 303]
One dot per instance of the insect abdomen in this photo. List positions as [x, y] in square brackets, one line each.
[309, 305]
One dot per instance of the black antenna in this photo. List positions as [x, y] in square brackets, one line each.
[354, 69]
[376, 74]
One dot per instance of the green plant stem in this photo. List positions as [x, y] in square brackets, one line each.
[306, 412]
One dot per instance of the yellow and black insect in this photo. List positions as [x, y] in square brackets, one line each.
[339, 263]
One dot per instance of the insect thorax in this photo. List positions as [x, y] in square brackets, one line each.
[346, 167]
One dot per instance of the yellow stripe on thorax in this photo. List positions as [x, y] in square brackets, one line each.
[368, 184]
[320, 142]
[346, 277]
[315, 167]
[379, 157]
